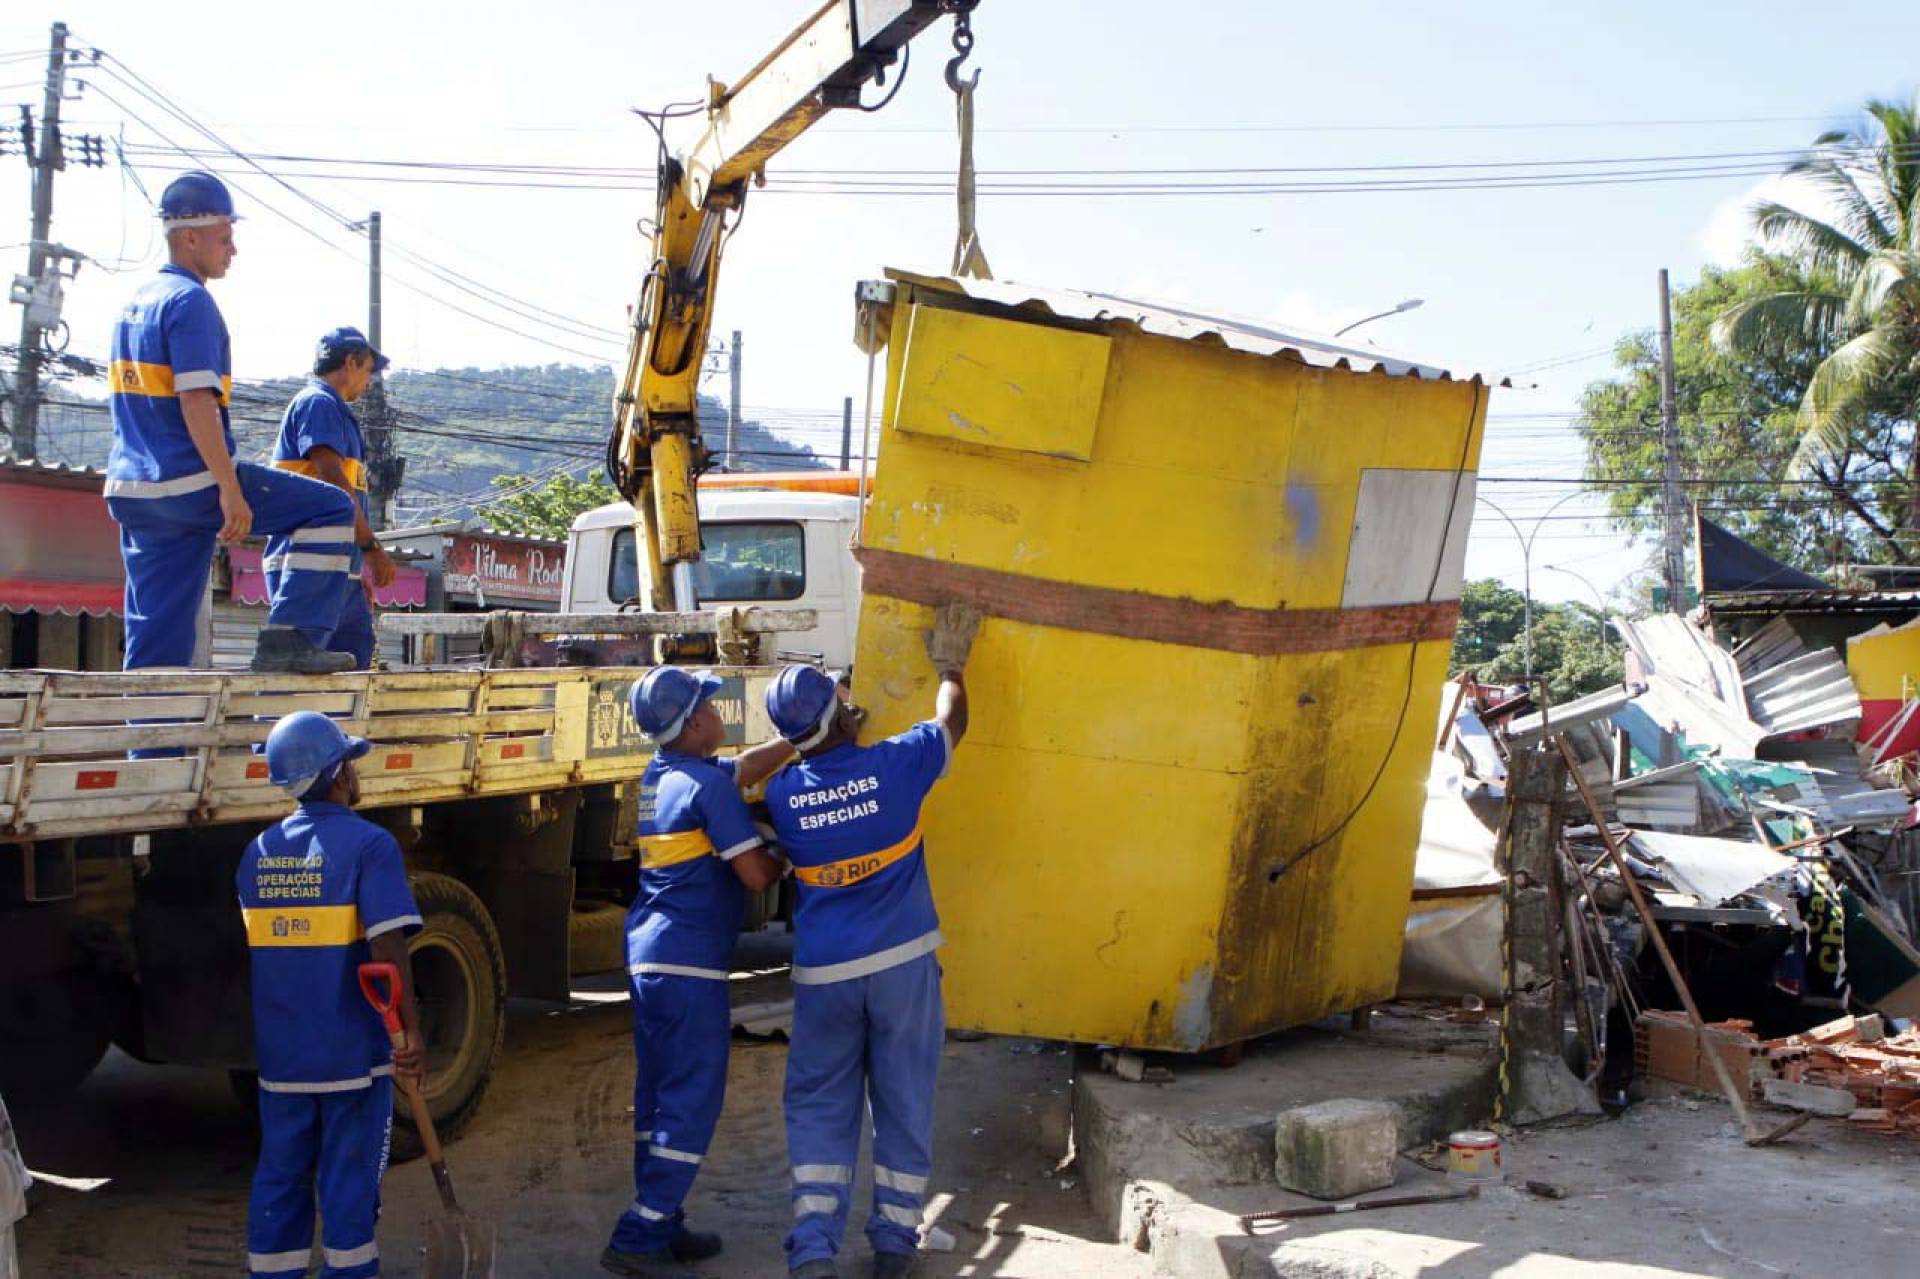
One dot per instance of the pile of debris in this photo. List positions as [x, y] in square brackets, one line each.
[1778, 858]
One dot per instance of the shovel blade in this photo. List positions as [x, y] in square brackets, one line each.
[459, 1247]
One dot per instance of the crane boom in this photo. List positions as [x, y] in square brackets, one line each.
[656, 450]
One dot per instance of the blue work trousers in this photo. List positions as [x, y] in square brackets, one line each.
[869, 1043]
[329, 1148]
[167, 544]
[681, 1032]
[353, 631]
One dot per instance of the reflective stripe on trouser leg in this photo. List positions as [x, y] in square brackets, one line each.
[681, 1032]
[355, 1130]
[280, 1209]
[309, 528]
[825, 1093]
[906, 1027]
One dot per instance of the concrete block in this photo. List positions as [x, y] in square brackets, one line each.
[1835, 1102]
[1336, 1149]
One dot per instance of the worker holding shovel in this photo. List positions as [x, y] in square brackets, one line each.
[322, 893]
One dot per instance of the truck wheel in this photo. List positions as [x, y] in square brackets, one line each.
[460, 981]
[596, 938]
[54, 1030]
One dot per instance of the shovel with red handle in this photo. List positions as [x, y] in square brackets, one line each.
[459, 1245]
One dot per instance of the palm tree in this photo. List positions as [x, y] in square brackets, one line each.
[1868, 246]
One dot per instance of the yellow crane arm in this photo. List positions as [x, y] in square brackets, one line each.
[656, 450]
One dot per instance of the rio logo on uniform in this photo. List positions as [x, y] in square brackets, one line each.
[849, 872]
[284, 927]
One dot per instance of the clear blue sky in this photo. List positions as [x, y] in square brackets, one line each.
[1511, 278]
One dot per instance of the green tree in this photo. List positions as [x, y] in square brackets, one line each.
[1491, 617]
[1571, 646]
[1738, 433]
[547, 510]
[1860, 306]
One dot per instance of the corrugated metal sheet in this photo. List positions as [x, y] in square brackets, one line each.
[1256, 337]
[1813, 602]
[236, 628]
[1528, 729]
[1813, 690]
[1770, 646]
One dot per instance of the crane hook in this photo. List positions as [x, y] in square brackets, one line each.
[962, 50]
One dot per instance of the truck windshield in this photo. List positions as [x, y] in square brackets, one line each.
[741, 563]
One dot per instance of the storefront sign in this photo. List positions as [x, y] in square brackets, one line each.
[489, 568]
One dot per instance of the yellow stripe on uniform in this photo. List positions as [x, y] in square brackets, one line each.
[671, 850]
[852, 870]
[354, 469]
[136, 377]
[303, 925]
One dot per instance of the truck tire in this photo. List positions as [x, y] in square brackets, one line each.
[596, 938]
[460, 981]
[55, 1030]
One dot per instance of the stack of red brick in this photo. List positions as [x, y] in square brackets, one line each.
[1850, 1057]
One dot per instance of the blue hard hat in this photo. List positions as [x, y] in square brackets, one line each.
[304, 747]
[196, 199]
[801, 702]
[665, 697]
[347, 340]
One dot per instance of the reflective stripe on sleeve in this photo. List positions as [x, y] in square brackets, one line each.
[728, 854]
[274, 1262]
[822, 1174]
[678, 1156]
[679, 970]
[398, 921]
[203, 380]
[341, 1258]
[905, 1182]
[302, 925]
[807, 1205]
[175, 487]
[880, 961]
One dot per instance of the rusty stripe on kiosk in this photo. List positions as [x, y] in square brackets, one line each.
[1099, 610]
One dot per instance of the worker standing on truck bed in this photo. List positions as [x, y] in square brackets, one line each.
[322, 893]
[172, 482]
[700, 854]
[320, 437]
[867, 1017]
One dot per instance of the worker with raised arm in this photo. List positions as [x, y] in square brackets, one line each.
[172, 482]
[320, 437]
[322, 893]
[700, 854]
[867, 1017]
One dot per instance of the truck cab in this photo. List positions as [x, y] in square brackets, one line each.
[766, 547]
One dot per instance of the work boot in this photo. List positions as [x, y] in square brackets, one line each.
[819, 1268]
[693, 1245]
[893, 1265]
[660, 1263]
[281, 650]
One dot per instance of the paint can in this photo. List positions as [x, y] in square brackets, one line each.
[1474, 1156]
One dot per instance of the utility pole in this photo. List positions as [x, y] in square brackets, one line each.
[846, 434]
[733, 402]
[47, 160]
[385, 467]
[1673, 526]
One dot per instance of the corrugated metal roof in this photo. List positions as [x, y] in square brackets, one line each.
[1812, 602]
[33, 471]
[1772, 644]
[1811, 691]
[1256, 337]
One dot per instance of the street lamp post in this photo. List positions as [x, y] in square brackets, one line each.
[1600, 617]
[1526, 565]
[1408, 305]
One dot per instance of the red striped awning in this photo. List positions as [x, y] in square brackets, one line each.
[59, 549]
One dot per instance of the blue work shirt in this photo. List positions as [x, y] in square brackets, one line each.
[849, 821]
[693, 822]
[313, 890]
[170, 338]
[316, 418]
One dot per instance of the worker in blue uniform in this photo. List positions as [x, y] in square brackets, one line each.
[320, 437]
[322, 893]
[700, 854]
[867, 1017]
[172, 482]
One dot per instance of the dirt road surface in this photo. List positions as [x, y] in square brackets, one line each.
[550, 1158]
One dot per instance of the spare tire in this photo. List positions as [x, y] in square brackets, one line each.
[596, 937]
[460, 983]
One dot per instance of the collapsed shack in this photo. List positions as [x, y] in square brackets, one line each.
[1776, 852]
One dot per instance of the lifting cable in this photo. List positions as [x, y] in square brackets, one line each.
[969, 259]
